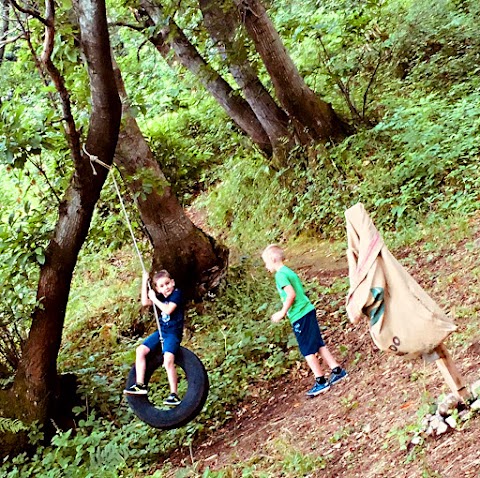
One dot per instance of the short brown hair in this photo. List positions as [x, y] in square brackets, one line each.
[160, 275]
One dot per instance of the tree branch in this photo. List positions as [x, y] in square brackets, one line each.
[10, 40]
[370, 83]
[138, 28]
[341, 86]
[44, 174]
[28, 11]
[73, 136]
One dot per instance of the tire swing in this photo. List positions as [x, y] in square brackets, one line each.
[192, 402]
[195, 373]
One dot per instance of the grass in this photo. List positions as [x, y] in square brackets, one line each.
[278, 457]
[239, 347]
[417, 171]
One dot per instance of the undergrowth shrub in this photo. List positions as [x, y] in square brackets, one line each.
[23, 236]
[189, 142]
[420, 160]
[234, 338]
[249, 206]
[435, 45]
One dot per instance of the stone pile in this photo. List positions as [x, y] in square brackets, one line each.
[450, 413]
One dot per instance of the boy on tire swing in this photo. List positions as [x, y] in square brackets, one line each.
[169, 303]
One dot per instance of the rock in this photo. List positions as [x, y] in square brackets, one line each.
[475, 388]
[465, 415]
[426, 422]
[452, 400]
[451, 421]
[443, 409]
[448, 405]
[435, 421]
[442, 428]
[416, 440]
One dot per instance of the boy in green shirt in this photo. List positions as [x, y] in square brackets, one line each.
[301, 314]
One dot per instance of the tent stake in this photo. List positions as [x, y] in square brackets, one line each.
[450, 373]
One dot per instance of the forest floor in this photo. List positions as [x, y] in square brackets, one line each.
[362, 427]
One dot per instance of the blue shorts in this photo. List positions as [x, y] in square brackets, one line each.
[171, 341]
[308, 334]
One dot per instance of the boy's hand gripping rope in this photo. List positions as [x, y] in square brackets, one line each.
[95, 159]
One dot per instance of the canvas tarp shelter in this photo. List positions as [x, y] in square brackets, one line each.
[403, 318]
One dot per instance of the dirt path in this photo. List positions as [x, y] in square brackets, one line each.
[357, 426]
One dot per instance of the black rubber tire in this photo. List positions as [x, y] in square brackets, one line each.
[192, 402]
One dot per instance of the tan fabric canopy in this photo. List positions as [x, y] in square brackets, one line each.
[404, 319]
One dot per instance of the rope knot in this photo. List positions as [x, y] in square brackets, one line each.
[95, 159]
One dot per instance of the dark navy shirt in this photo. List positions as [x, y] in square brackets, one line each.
[174, 321]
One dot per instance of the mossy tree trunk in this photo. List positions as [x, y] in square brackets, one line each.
[168, 37]
[193, 258]
[317, 117]
[223, 24]
[33, 394]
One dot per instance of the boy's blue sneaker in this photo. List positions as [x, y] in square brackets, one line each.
[136, 389]
[318, 388]
[336, 377]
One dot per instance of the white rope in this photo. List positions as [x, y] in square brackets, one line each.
[95, 159]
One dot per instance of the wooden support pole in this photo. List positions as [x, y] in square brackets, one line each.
[450, 373]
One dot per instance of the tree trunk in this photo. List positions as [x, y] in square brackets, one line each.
[170, 37]
[4, 12]
[194, 259]
[298, 100]
[223, 26]
[32, 396]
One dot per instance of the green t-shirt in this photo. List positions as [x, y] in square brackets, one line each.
[301, 305]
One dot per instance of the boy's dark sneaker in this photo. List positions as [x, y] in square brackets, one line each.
[136, 389]
[172, 400]
[318, 388]
[336, 377]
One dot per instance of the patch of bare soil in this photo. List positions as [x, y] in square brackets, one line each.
[357, 425]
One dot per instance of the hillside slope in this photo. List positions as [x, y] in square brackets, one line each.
[363, 426]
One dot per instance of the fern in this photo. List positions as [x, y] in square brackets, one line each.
[5, 382]
[11, 425]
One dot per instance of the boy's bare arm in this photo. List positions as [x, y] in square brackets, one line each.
[289, 300]
[165, 307]
[145, 300]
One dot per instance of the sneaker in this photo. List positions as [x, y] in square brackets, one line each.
[336, 377]
[136, 389]
[172, 400]
[318, 388]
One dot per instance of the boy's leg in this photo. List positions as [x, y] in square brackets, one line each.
[328, 357]
[321, 384]
[171, 344]
[337, 372]
[141, 363]
[139, 387]
[314, 364]
[310, 340]
[169, 364]
[150, 343]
